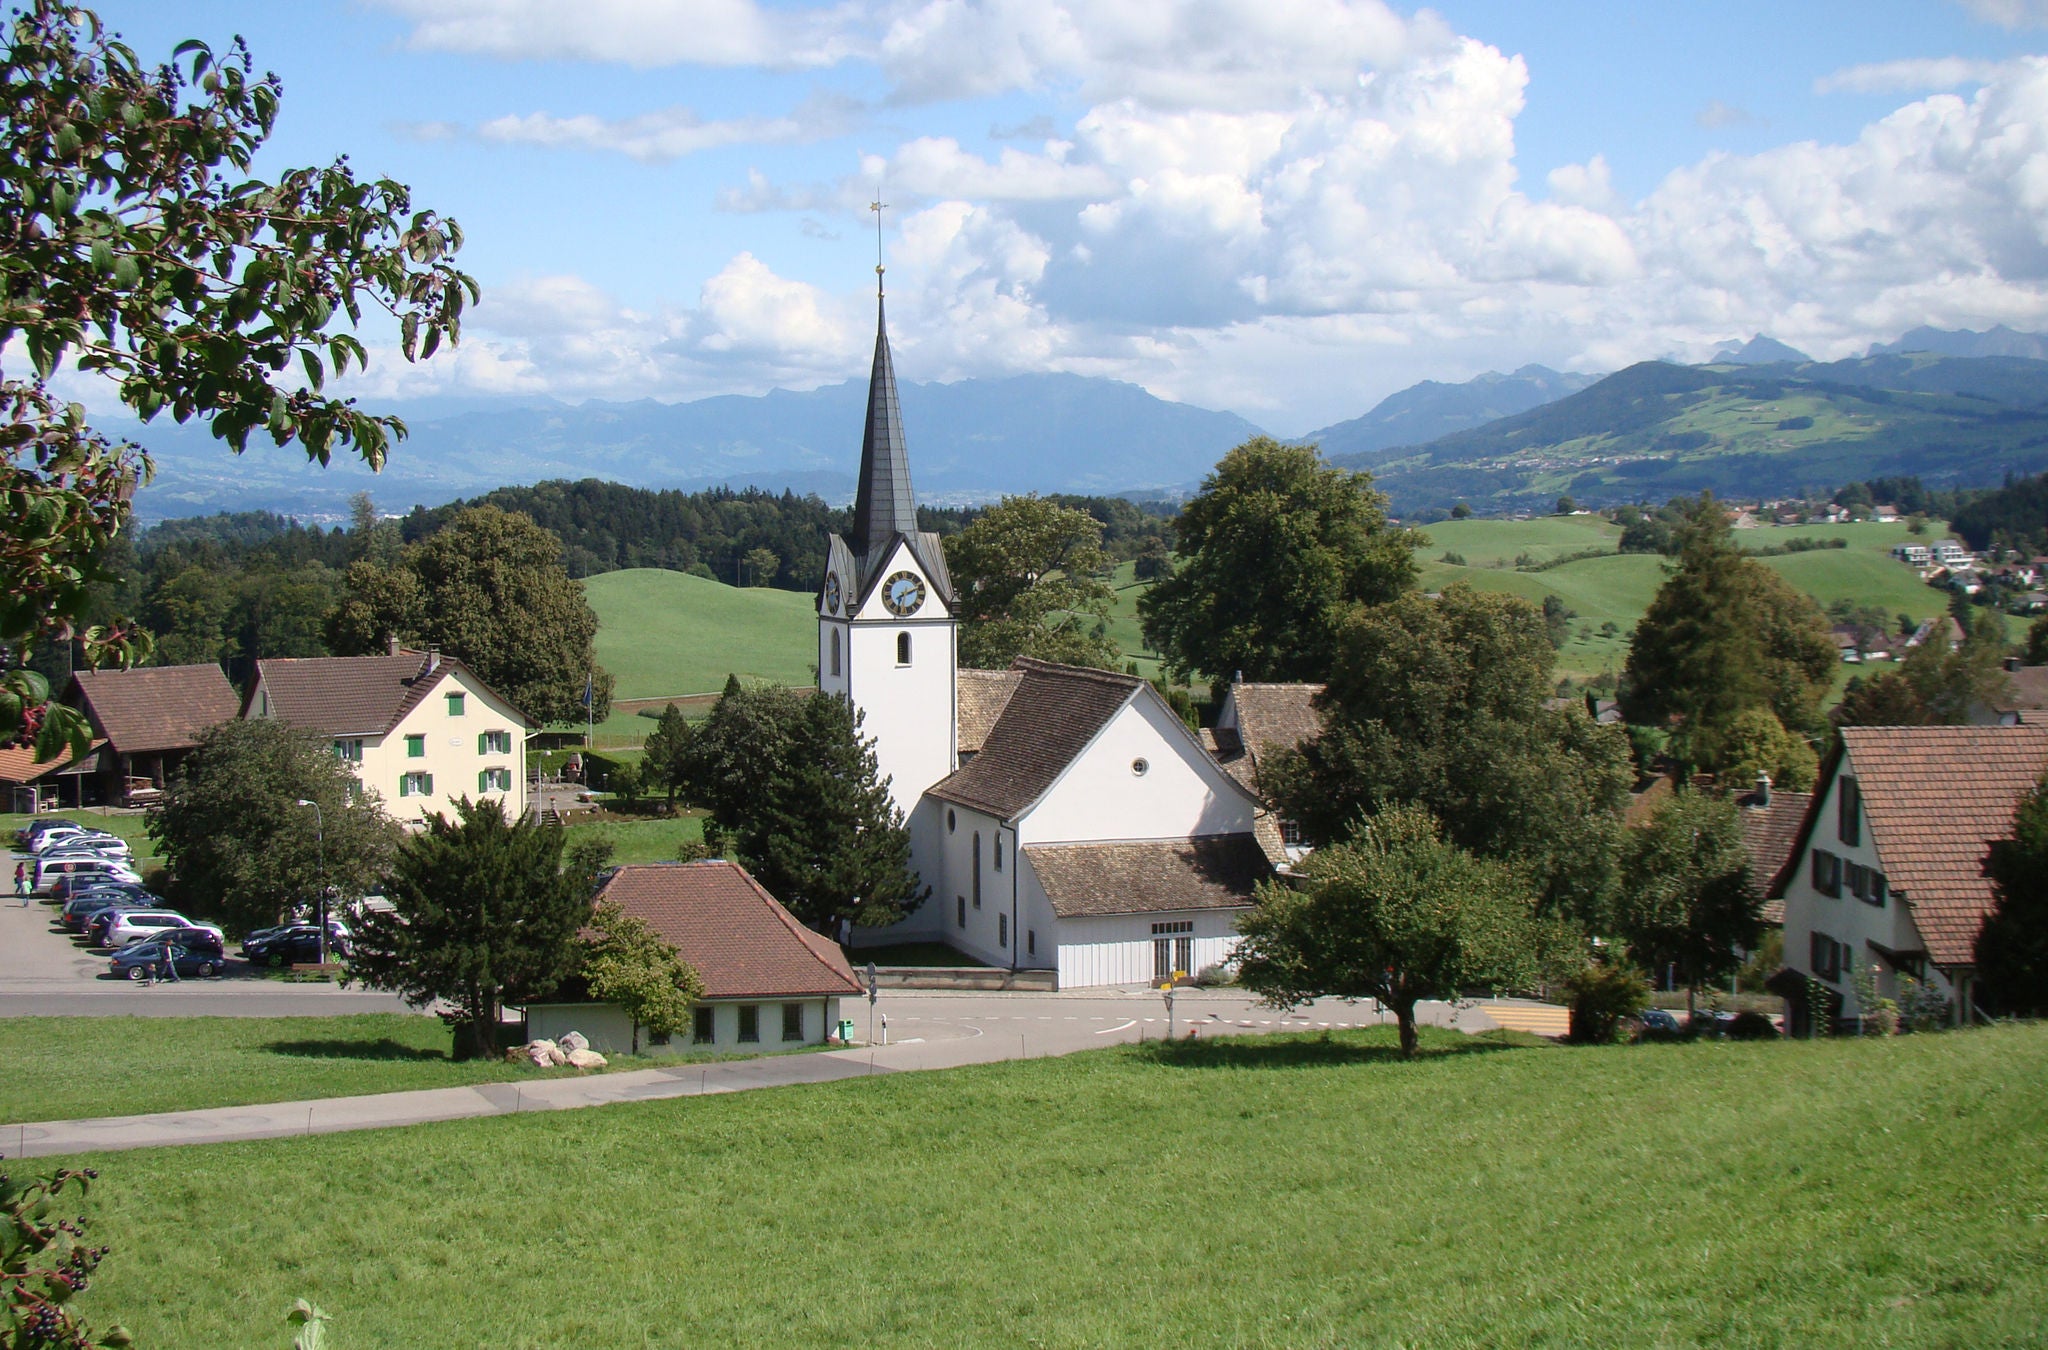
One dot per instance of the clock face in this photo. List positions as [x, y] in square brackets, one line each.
[903, 593]
[832, 593]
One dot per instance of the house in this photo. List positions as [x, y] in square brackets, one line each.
[2024, 699]
[28, 787]
[1770, 831]
[1885, 515]
[1942, 629]
[150, 718]
[418, 728]
[769, 982]
[1256, 722]
[1064, 819]
[1949, 553]
[1916, 555]
[1887, 870]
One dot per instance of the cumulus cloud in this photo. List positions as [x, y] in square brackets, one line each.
[1908, 77]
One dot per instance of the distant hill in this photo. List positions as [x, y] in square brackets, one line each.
[1656, 430]
[2000, 341]
[662, 633]
[1758, 351]
[1425, 411]
[972, 440]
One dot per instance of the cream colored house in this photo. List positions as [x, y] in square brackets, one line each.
[419, 728]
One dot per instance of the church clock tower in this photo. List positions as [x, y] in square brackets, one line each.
[887, 638]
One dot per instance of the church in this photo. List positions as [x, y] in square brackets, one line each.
[1065, 819]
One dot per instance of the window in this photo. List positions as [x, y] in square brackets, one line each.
[455, 702]
[1848, 811]
[350, 750]
[835, 652]
[1173, 950]
[952, 821]
[1866, 884]
[999, 853]
[1830, 957]
[416, 785]
[416, 747]
[977, 869]
[703, 1027]
[1290, 833]
[750, 1022]
[1002, 930]
[1031, 942]
[494, 742]
[960, 911]
[1827, 873]
[657, 1038]
[1141, 767]
[903, 649]
[494, 780]
[792, 1021]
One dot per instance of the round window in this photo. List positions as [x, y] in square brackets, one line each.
[1139, 766]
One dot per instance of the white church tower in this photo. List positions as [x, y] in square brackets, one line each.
[886, 631]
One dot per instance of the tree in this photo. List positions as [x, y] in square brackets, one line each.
[1441, 703]
[1270, 557]
[760, 565]
[730, 757]
[483, 915]
[1461, 512]
[666, 753]
[1399, 914]
[1759, 744]
[489, 589]
[2037, 642]
[628, 963]
[1933, 685]
[1565, 506]
[134, 245]
[822, 833]
[1026, 573]
[2012, 947]
[1725, 634]
[238, 845]
[1685, 899]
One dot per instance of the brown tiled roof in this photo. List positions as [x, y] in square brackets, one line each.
[1149, 876]
[18, 763]
[738, 938]
[1272, 717]
[1053, 715]
[2026, 690]
[1935, 799]
[1770, 832]
[1645, 797]
[983, 694]
[154, 707]
[352, 695]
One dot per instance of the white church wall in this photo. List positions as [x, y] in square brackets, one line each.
[1119, 949]
[1035, 918]
[832, 650]
[908, 710]
[1102, 796]
[980, 930]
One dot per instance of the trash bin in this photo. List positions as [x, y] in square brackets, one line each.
[846, 1031]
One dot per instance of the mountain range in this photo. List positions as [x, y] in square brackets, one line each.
[1758, 419]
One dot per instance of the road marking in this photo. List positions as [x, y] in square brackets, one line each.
[1125, 1026]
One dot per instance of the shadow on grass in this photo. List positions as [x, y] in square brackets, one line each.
[1323, 1049]
[385, 1049]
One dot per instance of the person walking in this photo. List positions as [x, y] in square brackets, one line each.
[171, 955]
[22, 886]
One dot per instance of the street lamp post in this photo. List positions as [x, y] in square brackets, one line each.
[320, 845]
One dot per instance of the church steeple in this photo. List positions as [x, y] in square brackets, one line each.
[883, 505]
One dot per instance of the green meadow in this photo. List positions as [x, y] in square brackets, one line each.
[1265, 1191]
[662, 633]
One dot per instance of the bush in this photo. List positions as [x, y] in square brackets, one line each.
[1605, 999]
[1752, 1026]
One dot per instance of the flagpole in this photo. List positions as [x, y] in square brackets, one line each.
[589, 714]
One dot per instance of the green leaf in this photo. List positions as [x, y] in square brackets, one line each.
[311, 362]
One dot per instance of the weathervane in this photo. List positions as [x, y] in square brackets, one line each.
[878, 206]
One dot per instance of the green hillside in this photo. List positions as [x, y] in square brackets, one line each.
[664, 633]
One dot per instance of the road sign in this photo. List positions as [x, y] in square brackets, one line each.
[873, 983]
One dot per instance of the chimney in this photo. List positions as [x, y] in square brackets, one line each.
[1238, 678]
[1763, 790]
[2013, 663]
[433, 658]
[392, 644]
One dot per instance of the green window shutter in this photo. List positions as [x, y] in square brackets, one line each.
[483, 781]
[483, 742]
[405, 785]
[427, 790]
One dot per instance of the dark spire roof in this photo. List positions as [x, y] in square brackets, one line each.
[884, 506]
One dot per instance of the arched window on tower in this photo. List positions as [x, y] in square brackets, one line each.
[903, 649]
[835, 653]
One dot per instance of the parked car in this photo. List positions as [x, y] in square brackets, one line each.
[110, 869]
[1656, 1023]
[73, 884]
[293, 944]
[74, 836]
[192, 951]
[123, 926]
[80, 910]
[27, 832]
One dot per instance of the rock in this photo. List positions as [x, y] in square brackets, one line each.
[543, 1053]
[575, 1040]
[586, 1059]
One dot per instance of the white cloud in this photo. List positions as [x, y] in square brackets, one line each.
[639, 33]
[1908, 77]
[2010, 13]
[1718, 114]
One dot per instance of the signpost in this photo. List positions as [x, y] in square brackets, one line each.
[874, 988]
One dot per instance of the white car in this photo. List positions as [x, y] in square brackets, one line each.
[135, 924]
[54, 841]
[81, 865]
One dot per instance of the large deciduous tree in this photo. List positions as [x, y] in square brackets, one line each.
[1399, 914]
[1685, 900]
[484, 914]
[1271, 556]
[1440, 702]
[489, 589]
[238, 845]
[2012, 948]
[1027, 573]
[1723, 635]
[629, 964]
[135, 244]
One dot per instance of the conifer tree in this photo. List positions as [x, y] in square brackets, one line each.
[2012, 948]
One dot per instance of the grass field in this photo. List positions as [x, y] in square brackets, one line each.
[1265, 1192]
[665, 633]
[642, 841]
[65, 1068]
[128, 824]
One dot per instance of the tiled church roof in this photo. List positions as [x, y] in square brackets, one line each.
[1053, 715]
[1149, 876]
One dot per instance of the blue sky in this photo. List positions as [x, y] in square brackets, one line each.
[1287, 208]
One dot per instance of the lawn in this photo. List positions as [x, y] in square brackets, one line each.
[1302, 1191]
[64, 1068]
[661, 633]
[642, 841]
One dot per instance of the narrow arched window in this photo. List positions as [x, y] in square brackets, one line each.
[835, 652]
[903, 649]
